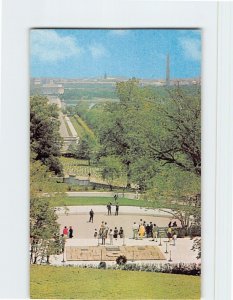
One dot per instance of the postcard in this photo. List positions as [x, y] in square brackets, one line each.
[115, 163]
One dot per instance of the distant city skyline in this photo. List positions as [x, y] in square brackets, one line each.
[140, 53]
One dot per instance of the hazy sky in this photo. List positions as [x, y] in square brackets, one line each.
[74, 53]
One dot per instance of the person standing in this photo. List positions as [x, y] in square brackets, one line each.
[106, 229]
[174, 224]
[117, 209]
[147, 230]
[65, 232]
[174, 237]
[95, 233]
[155, 232]
[109, 209]
[169, 234]
[141, 231]
[121, 232]
[115, 234]
[151, 229]
[70, 232]
[102, 232]
[103, 236]
[111, 236]
[91, 213]
[135, 231]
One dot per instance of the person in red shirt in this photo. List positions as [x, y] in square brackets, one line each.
[65, 231]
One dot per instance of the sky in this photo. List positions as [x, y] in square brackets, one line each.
[140, 53]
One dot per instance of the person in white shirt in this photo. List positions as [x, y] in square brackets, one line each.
[135, 230]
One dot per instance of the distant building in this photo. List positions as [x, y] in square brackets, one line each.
[51, 89]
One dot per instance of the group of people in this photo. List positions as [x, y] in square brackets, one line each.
[144, 229]
[105, 232]
[172, 225]
[109, 208]
[150, 230]
[68, 233]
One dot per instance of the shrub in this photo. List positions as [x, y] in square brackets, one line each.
[194, 230]
[121, 260]
[102, 265]
[181, 268]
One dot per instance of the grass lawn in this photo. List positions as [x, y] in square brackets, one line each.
[48, 282]
[71, 201]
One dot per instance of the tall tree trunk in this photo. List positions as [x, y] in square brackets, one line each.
[128, 185]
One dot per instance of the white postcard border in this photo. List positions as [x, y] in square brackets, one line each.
[213, 19]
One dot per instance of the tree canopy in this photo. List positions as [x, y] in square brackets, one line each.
[144, 128]
[45, 140]
[44, 229]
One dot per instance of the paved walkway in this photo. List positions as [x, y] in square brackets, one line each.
[103, 194]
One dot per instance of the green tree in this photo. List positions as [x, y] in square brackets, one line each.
[111, 169]
[143, 172]
[121, 130]
[85, 148]
[180, 191]
[44, 229]
[176, 136]
[45, 139]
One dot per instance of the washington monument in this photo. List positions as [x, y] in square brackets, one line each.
[168, 71]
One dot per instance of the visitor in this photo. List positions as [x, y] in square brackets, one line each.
[147, 230]
[135, 230]
[155, 232]
[104, 236]
[106, 228]
[91, 213]
[117, 209]
[141, 231]
[111, 237]
[115, 197]
[174, 237]
[151, 229]
[115, 233]
[65, 232]
[95, 233]
[169, 234]
[70, 232]
[121, 232]
[174, 224]
[144, 224]
[102, 233]
[109, 208]
[170, 224]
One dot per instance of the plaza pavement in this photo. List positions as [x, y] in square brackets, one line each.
[78, 218]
